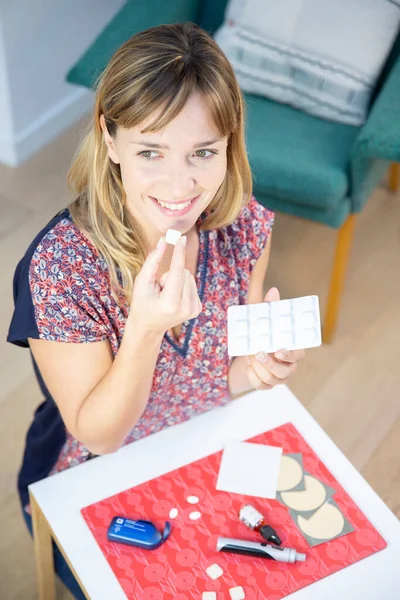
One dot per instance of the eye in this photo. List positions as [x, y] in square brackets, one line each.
[205, 153]
[148, 154]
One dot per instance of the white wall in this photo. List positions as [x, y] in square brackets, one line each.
[39, 41]
[6, 129]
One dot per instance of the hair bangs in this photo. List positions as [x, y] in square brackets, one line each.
[177, 96]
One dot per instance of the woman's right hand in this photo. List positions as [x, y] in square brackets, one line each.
[158, 308]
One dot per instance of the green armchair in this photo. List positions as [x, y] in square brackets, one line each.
[302, 165]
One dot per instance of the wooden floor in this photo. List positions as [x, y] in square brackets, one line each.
[351, 387]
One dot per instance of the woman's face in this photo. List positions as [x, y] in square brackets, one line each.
[171, 176]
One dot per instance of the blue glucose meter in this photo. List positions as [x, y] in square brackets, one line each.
[142, 534]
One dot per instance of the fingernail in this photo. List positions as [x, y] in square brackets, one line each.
[261, 357]
[184, 240]
[281, 355]
[160, 242]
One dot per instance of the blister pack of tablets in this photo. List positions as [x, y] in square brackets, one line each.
[270, 326]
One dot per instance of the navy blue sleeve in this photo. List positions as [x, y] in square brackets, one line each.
[23, 323]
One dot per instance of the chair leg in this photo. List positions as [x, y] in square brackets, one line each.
[343, 245]
[394, 177]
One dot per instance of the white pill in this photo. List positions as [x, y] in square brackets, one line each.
[214, 571]
[237, 593]
[209, 596]
[172, 236]
[192, 499]
[194, 515]
[173, 513]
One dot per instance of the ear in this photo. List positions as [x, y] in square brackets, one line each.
[109, 141]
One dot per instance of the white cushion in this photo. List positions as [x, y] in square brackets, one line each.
[321, 56]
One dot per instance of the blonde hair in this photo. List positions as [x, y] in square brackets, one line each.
[156, 69]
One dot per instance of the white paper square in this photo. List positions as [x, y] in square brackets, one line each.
[249, 469]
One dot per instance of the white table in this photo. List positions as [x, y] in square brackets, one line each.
[57, 500]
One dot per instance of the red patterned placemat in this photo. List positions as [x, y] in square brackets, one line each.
[177, 570]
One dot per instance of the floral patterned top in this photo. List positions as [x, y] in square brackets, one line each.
[62, 293]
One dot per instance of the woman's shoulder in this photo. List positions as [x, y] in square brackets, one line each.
[63, 257]
[60, 245]
[248, 235]
[57, 287]
[253, 215]
[62, 238]
[60, 255]
[254, 221]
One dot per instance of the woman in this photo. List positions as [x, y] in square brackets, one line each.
[127, 333]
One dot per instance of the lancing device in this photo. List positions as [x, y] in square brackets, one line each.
[263, 550]
[251, 517]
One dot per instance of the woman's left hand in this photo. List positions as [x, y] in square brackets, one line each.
[265, 371]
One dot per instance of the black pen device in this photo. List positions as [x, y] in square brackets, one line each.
[262, 550]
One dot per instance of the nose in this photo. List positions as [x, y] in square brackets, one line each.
[181, 181]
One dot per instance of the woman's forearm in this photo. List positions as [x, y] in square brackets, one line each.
[237, 377]
[115, 405]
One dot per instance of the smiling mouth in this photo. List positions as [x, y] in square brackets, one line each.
[175, 206]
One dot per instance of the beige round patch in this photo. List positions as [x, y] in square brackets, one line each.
[290, 474]
[313, 496]
[326, 523]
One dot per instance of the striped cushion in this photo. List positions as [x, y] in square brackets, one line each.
[320, 56]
